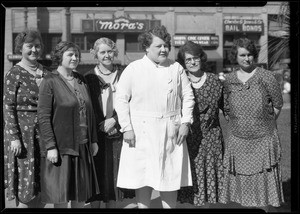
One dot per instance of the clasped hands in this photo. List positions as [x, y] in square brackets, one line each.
[108, 126]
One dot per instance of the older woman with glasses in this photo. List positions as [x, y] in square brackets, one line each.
[205, 141]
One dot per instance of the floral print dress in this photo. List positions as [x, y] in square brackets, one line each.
[21, 173]
[205, 145]
[252, 175]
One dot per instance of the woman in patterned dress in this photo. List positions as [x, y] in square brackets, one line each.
[205, 141]
[21, 135]
[253, 151]
[68, 132]
[102, 81]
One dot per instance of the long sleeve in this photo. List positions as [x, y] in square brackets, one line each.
[11, 86]
[123, 96]
[45, 109]
[188, 101]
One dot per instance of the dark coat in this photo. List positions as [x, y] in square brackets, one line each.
[58, 115]
[96, 85]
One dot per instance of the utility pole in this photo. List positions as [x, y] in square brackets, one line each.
[26, 18]
[68, 23]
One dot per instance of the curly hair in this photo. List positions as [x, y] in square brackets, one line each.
[242, 43]
[106, 41]
[193, 49]
[146, 38]
[27, 36]
[60, 48]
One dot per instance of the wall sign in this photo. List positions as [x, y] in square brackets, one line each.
[12, 57]
[202, 39]
[243, 25]
[114, 25]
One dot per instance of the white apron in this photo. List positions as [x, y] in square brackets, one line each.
[148, 101]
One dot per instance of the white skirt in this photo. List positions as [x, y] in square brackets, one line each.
[156, 160]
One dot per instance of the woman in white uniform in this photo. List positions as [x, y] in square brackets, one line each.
[154, 103]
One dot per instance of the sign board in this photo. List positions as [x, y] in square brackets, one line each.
[114, 25]
[202, 39]
[12, 57]
[243, 25]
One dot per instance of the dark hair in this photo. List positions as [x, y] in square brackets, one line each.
[242, 43]
[193, 49]
[27, 36]
[145, 39]
[58, 52]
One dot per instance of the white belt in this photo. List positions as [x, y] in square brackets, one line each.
[154, 114]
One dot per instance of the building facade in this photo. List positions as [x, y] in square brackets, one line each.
[214, 28]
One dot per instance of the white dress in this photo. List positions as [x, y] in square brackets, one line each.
[153, 100]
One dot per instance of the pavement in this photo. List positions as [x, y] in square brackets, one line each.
[156, 204]
[156, 200]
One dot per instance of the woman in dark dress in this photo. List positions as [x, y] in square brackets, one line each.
[68, 134]
[205, 140]
[102, 81]
[21, 134]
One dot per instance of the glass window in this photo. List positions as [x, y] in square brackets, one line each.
[131, 43]
[86, 41]
[92, 38]
[50, 41]
[78, 39]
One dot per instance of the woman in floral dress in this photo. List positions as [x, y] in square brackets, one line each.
[205, 141]
[253, 152]
[21, 135]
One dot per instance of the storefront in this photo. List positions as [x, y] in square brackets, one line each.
[214, 28]
[123, 31]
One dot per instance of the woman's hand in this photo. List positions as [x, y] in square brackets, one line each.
[107, 125]
[112, 132]
[16, 147]
[182, 133]
[94, 149]
[52, 155]
[129, 137]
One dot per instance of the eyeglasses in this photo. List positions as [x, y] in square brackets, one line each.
[189, 60]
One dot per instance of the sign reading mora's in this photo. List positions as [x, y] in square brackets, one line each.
[243, 25]
[115, 25]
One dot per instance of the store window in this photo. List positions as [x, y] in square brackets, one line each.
[78, 39]
[131, 43]
[50, 41]
[86, 41]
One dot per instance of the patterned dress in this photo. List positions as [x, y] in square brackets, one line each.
[205, 145]
[21, 174]
[253, 151]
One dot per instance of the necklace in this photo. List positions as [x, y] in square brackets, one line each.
[102, 72]
[195, 81]
[70, 79]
